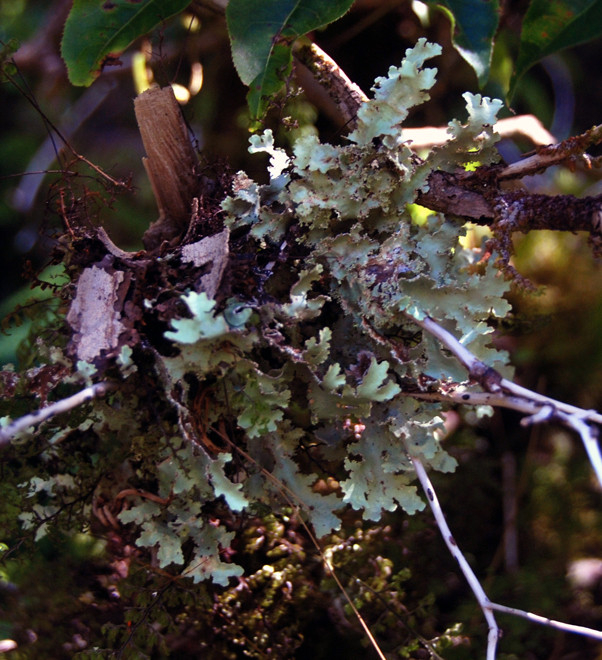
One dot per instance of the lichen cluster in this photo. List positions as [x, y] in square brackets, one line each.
[294, 388]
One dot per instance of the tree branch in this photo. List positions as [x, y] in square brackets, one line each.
[503, 392]
[477, 196]
[484, 603]
[43, 414]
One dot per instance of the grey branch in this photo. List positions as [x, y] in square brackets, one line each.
[43, 414]
[504, 393]
[484, 603]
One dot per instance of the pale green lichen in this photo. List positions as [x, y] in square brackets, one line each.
[311, 370]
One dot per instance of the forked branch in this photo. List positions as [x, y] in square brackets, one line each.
[477, 196]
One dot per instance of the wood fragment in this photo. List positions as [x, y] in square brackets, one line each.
[170, 163]
[346, 96]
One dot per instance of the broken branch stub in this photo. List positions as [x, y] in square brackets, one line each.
[170, 162]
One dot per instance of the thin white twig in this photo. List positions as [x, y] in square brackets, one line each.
[535, 406]
[557, 153]
[540, 408]
[518, 390]
[41, 415]
[567, 627]
[524, 125]
[590, 441]
[484, 602]
[504, 392]
[469, 361]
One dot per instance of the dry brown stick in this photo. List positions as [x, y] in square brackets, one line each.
[170, 162]
[473, 199]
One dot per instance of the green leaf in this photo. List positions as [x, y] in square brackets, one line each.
[550, 26]
[261, 400]
[474, 24]
[317, 350]
[284, 445]
[264, 143]
[269, 81]
[379, 478]
[223, 486]
[262, 32]
[334, 378]
[206, 562]
[97, 30]
[301, 306]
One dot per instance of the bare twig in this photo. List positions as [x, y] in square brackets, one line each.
[484, 603]
[25, 195]
[43, 414]
[503, 392]
[553, 154]
[527, 126]
[477, 196]
[551, 623]
[534, 406]
[345, 96]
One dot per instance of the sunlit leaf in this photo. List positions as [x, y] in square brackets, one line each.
[552, 25]
[262, 32]
[474, 24]
[98, 31]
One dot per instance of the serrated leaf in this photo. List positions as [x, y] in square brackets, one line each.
[139, 513]
[312, 155]
[261, 400]
[416, 424]
[471, 141]
[334, 378]
[96, 30]
[550, 26]
[264, 143]
[473, 24]
[184, 471]
[261, 33]
[223, 486]
[319, 508]
[370, 487]
[206, 562]
[301, 306]
[317, 350]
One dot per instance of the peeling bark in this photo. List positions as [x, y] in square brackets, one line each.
[95, 313]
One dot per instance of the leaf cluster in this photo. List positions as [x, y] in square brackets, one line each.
[262, 35]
